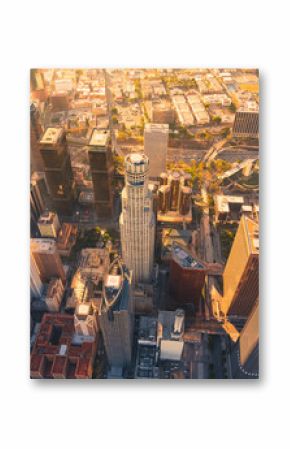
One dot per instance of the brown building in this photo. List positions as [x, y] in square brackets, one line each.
[101, 164]
[59, 101]
[36, 131]
[241, 274]
[47, 259]
[37, 200]
[66, 238]
[58, 353]
[58, 171]
[187, 277]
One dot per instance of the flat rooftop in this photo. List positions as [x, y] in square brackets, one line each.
[99, 138]
[185, 259]
[156, 127]
[42, 245]
[51, 136]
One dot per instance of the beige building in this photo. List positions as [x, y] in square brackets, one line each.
[48, 225]
[241, 274]
[155, 147]
[137, 222]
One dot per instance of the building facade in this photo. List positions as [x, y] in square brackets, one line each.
[58, 171]
[47, 259]
[155, 147]
[137, 222]
[101, 165]
[241, 274]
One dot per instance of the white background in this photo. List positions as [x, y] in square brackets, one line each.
[133, 33]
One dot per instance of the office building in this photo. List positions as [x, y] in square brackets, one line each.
[59, 101]
[162, 112]
[246, 122]
[116, 316]
[37, 200]
[170, 331]
[101, 165]
[186, 278]
[230, 208]
[36, 131]
[85, 319]
[48, 225]
[155, 147]
[241, 274]
[47, 259]
[245, 355]
[174, 197]
[60, 354]
[137, 222]
[58, 171]
[66, 238]
[36, 285]
[54, 294]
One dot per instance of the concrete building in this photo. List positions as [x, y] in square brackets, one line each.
[187, 277]
[36, 285]
[48, 225]
[246, 122]
[58, 353]
[66, 238]
[59, 101]
[241, 274]
[47, 259]
[230, 208]
[101, 165]
[245, 356]
[58, 171]
[155, 147]
[162, 112]
[36, 131]
[54, 294]
[85, 319]
[170, 330]
[174, 197]
[137, 223]
[116, 316]
[37, 200]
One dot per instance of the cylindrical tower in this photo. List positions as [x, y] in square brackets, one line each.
[185, 200]
[164, 199]
[174, 180]
[137, 223]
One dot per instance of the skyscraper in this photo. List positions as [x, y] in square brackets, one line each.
[47, 259]
[246, 122]
[36, 131]
[37, 200]
[58, 171]
[241, 274]
[116, 315]
[155, 147]
[101, 164]
[137, 222]
[36, 286]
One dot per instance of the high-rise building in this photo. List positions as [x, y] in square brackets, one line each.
[48, 224]
[47, 259]
[59, 101]
[36, 286]
[36, 131]
[241, 274]
[58, 171]
[245, 355]
[116, 315]
[155, 147]
[54, 294]
[246, 122]
[187, 277]
[101, 164]
[137, 222]
[37, 200]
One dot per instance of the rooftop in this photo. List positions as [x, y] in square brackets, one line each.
[51, 136]
[43, 245]
[185, 259]
[99, 138]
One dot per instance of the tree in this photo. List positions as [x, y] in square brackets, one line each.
[217, 119]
